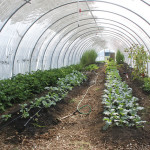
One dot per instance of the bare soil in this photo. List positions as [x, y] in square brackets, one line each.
[59, 128]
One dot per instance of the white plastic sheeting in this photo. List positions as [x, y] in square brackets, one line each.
[45, 34]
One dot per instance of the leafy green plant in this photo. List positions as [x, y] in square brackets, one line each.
[6, 117]
[88, 58]
[55, 94]
[146, 86]
[91, 67]
[24, 86]
[120, 107]
[119, 57]
[111, 65]
[140, 59]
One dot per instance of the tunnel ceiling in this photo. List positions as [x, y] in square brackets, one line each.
[45, 34]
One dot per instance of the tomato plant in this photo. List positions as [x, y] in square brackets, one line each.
[140, 60]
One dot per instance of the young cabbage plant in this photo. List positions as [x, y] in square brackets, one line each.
[121, 108]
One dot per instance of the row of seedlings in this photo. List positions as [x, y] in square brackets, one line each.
[120, 106]
[55, 94]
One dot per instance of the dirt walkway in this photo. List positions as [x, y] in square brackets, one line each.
[77, 132]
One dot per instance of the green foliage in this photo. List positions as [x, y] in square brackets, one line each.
[88, 58]
[111, 65]
[120, 107]
[91, 67]
[110, 59]
[146, 86]
[6, 117]
[140, 59]
[55, 93]
[119, 57]
[100, 62]
[23, 86]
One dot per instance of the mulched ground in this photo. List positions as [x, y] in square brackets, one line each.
[79, 132]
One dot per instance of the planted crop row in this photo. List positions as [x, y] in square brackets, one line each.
[54, 95]
[120, 107]
[23, 86]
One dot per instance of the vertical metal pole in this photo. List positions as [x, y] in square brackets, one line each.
[78, 12]
[104, 54]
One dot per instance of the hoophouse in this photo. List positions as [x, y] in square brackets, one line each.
[74, 74]
[45, 34]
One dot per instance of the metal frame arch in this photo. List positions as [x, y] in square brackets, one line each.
[75, 22]
[69, 38]
[105, 30]
[105, 34]
[13, 64]
[127, 19]
[58, 42]
[118, 15]
[52, 37]
[87, 40]
[75, 12]
[145, 2]
[106, 27]
[126, 27]
[101, 1]
[128, 32]
[110, 33]
[74, 55]
[83, 49]
[31, 26]
[82, 20]
[13, 14]
[122, 29]
[122, 17]
[96, 27]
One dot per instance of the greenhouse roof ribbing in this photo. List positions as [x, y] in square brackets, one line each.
[44, 34]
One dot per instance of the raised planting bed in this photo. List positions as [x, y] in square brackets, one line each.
[120, 106]
[55, 94]
[23, 87]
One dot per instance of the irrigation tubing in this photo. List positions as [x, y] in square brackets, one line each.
[33, 117]
[10, 122]
[20, 117]
[79, 108]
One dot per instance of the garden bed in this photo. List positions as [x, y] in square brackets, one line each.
[136, 85]
[79, 131]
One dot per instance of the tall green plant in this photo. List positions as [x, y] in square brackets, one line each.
[119, 57]
[140, 59]
[88, 57]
